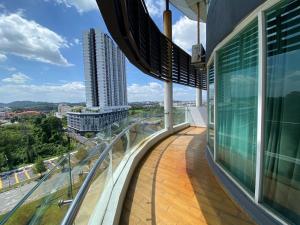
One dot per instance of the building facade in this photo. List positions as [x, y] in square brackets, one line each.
[104, 71]
[105, 84]
[93, 122]
[62, 110]
[254, 103]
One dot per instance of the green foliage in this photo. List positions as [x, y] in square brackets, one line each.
[146, 111]
[64, 121]
[32, 137]
[77, 109]
[50, 130]
[89, 135]
[39, 166]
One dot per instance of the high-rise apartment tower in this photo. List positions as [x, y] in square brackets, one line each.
[104, 70]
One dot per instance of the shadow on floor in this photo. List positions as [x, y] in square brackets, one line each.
[215, 205]
[173, 184]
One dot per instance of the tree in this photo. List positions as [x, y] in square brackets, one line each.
[51, 130]
[29, 149]
[89, 135]
[39, 166]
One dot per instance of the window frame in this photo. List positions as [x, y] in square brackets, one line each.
[259, 14]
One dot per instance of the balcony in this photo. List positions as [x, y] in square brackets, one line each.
[173, 184]
[91, 190]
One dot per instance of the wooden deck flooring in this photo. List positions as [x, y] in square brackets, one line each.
[173, 184]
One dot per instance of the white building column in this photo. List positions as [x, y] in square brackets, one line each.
[198, 90]
[168, 95]
[198, 97]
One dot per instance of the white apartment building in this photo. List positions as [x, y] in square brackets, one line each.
[105, 84]
[62, 110]
[104, 71]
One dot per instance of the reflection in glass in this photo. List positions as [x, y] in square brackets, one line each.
[281, 182]
[211, 106]
[237, 106]
[179, 115]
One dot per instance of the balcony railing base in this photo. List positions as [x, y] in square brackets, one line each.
[113, 210]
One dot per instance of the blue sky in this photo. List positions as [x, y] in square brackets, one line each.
[41, 51]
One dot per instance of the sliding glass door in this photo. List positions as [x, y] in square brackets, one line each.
[281, 181]
[236, 102]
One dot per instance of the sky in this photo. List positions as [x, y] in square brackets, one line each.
[41, 56]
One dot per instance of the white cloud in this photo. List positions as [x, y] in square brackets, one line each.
[185, 33]
[155, 7]
[154, 91]
[68, 92]
[80, 5]
[17, 78]
[76, 41]
[30, 40]
[2, 57]
[10, 69]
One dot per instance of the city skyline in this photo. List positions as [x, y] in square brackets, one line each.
[55, 72]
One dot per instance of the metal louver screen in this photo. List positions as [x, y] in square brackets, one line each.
[238, 53]
[283, 28]
[146, 47]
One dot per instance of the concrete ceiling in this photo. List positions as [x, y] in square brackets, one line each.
[189, 8]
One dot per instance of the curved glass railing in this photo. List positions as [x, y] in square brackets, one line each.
[78, 188]
[92, 199]
[179, 115]
[49, 198]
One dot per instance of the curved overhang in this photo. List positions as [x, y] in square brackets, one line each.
[132, 28]
[189, 8]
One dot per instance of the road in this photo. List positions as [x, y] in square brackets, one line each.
[57, 181]
[25, 173]
[10, 198]
[54, 183]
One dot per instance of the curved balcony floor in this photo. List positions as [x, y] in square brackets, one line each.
[173, 184]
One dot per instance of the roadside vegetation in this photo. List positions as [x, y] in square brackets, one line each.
[31, 138]
[144, 111]
[39, 166]
[45, 210]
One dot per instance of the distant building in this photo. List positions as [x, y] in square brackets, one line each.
[62, 110]
[104, 71]
[81, 122]
[184, 103]
[105, 84]
[4, 113]
[5, 109]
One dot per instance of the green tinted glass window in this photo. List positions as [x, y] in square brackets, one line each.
[236, 102]
[281, 181]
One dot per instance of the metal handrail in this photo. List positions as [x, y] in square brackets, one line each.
[11, 212]
[76, 203]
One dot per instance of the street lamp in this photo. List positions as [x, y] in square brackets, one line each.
[7, 176]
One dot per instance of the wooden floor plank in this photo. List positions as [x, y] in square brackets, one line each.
[173, 184]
